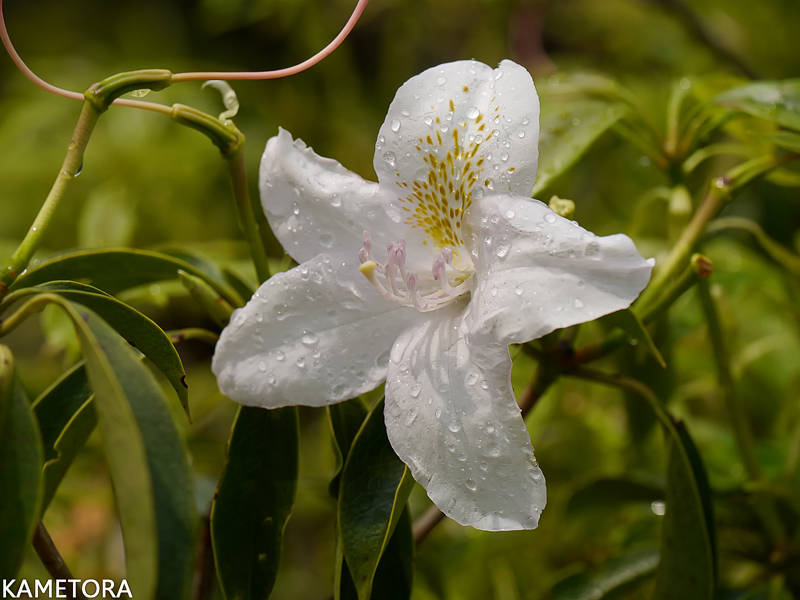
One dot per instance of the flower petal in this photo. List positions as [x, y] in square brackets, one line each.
[452, 418]
[453, 134]
[314, 335]
[314, 204]
[538, 272]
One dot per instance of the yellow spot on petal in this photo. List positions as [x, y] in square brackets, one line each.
[466, 89]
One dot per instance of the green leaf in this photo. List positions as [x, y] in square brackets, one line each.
[21, 461]
[688, 551]
[373, 491]
[149, 466]
[240, 284]
[610, 491]
[614, 575]
[776, 101]
[777, 252]
[787, 140]
[254, 501]
[634, 329]
[117, 269]
[210, 268]
[66, 419]
[567, 131]
[215, 306]
[346, 419]
[137, 329]
[114, 368]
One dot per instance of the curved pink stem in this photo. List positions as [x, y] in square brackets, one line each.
[179, 77]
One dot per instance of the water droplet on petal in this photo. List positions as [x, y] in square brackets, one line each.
[395, 125]
[477, 193]
[518, 290]
[550, 218]
[280, 355]
[411, 417]
[309, 339]
[521, 134]
[296, 208]
[441, 80]
[271, 379]
[262, 366]
[501, 248]
[473, 112]
[472, 379]
[405, 112]
[301, 362]
[428, 120]
[504, 156]
[525, 121]
[438, 413]
[472, 485]
[390, 158]
[454, 426]
[416, 390]
[485, 384]
[578, 303]
[510, 214]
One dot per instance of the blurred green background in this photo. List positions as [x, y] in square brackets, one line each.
[146, 182]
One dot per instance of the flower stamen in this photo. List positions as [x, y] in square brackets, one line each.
[420, 292]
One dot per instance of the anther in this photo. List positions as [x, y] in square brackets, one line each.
[447, 255]
[363, 255]
[367, 241]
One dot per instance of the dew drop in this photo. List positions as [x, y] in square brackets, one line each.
[309, 339]
[296, 209]
[525, 121]
[416, 390]
[301, 362]
[472, 485]
[510, 214]
[550, 218]
[139, 93]
[438, 413]
[262, 366]
[658, 508]
[280, 356]
[485, 384]
[454, 426]
[390, 158]
[473, 112]
[428, 120]
[521, 134]
[493, 291]
[411, 417]
[444, 129]
[271, 379]
[501, 248]
[576, 121]
[395, 125]
[498, 74]
[441, 80]
[592, 249]
[504, 156]
[405, 112]
[493, 450]
[518, 290]
[537, 475]
[477, 193]
[578, 303]
[472, 379]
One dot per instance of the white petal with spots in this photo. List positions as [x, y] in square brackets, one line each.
[537, 272]
[451, 416]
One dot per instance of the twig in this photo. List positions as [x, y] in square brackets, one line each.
[51, 559]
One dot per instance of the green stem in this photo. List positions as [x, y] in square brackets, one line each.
[247, 218]
[741, 425]
[32, 306]
[69, 170]
[193, 333]
[699, 268]
[716, 199]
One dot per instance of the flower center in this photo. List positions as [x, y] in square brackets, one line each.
[444, 284]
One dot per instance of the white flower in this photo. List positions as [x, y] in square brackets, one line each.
[471, 265]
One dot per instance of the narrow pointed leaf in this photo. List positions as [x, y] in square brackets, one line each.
[148, 463]
[567, 131]
[21, 459]
[240, 284]
[608, 491]
[66, 419]
[117, 269]
[610, 579]
[346, 419]
[373, 492]
[775, 101]
[688, 556]
[254, 501]
[139, 331]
